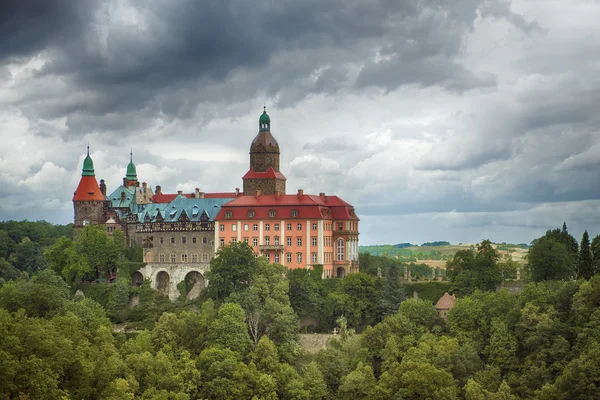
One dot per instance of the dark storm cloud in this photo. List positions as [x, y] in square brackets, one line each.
[167, 58]
[28, 26]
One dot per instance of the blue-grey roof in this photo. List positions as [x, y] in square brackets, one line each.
[193, 208]
[115, 197]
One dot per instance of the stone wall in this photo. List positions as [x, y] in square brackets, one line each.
[266, 186]
[166, 277]
[262, 161]
[92, 211]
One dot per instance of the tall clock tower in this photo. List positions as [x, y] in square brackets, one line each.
[264, 174]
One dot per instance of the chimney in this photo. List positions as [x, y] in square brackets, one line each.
[180, 192]
[197, 193]
[102, 187]
[300, 193]
[237, 192]
[158, 190]
[200, 195]
[122, 196]
[144, 185]
[124, 182]
[277, 195]
[257, 194]
[323, 197]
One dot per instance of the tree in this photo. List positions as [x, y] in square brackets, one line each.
[358, 384]
[595, 250]
[585, 266]
[231, 270]
[469, 271]
[99, 249]
[229, 330]
[549, 259]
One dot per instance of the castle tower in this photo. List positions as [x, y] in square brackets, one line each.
[264, 174]
[88, 200]
[131, 174]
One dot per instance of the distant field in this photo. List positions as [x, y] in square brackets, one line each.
[437, 256]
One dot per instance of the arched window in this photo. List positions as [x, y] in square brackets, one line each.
[272, 213]
[294, 213]
[340, 250]
[250, 214]
[228, 214]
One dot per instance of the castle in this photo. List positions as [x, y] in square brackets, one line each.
[180, 233]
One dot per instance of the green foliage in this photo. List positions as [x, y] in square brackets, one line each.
[549, 259]
[469, 271]
[428, 291]
[231, 270]
[439, 243]
[585, 265]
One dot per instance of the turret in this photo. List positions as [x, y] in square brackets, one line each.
[88, 199]
[131, 174]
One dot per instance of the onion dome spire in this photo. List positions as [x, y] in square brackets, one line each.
[264, 122]
[131, 174]
[88, 165]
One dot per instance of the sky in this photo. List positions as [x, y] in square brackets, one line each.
[437, 120]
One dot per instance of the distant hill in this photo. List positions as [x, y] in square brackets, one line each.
[432, 244]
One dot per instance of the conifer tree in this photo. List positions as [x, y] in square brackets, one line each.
[585, 269]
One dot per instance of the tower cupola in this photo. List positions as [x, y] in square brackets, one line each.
[131, 174]
[264, 122]
[88, 165]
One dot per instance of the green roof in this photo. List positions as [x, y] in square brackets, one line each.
[131, 174]
[88, 165]
[264, 122]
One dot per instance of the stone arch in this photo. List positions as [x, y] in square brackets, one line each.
[137, 279]
[341, 272]
[194, 282]
[163, 282]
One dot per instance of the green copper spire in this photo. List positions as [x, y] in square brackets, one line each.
[88, 165]
[264, 122]
[131, 170]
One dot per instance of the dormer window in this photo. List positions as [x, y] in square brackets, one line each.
[294, 213]
[272, 213]
[250, 214]
[228, 214]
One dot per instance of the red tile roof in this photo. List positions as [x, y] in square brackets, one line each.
[268, 174]
[88, 190]
[308, 206]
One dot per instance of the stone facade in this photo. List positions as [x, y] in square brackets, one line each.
[264, 186]
[88, 213]
[166, 277]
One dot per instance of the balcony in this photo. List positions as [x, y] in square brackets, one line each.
[279, 247]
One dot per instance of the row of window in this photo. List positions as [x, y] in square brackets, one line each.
[272, 214]
[289, 257]
[184, 240]
[246, 227]
[276, 242]
[184, 258]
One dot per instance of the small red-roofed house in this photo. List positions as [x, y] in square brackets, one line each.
[444, 305]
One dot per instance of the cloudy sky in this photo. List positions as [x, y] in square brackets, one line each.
[476, 120]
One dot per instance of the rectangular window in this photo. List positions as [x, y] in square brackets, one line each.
[245, 227]
[340, 250]
[276, 257]
[161, 258]
[161, 240]
[204, 257]
[194, 258]
[340, 227]
[254, 227]
[173, 258]
[204, 240]
[267, 240]
[222, 242]
[234, 240]
[184, 258]
[276, 239]
[194, 240]
[289, 241]
[314, 227]
[172, 240]
[267, 227]
[314, 258]
[276, 227]
[299, 241]
[268, 256]
[234, 228]
[222, 227]
[299, 258]
[299, 227]
[314, 241]
[246, 240]
[183, 240]
[289, 227]
[289, 257]
[254, 242]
